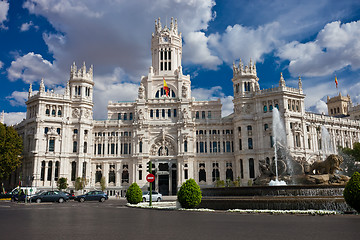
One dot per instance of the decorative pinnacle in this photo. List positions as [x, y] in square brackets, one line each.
[282, 81]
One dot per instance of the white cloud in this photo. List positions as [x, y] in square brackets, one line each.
[335, 47]
[215, 93]
[1, 64]
[13, 118]
[111, 87]
[26, 26]
[18, 98]
[243, 42]
[197, 52]
[32, 67]
[4, 8]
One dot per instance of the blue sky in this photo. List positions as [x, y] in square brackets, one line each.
[313, 39]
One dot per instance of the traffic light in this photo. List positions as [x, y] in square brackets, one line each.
[149, 166]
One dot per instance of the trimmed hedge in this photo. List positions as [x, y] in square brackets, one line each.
[134, 194]
[189, 195]
[352, 192]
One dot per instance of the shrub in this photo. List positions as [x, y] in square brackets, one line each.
[189, 195]
[134, 194]
[352, 192]
[62, 183]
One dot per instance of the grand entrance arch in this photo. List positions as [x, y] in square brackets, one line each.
[163, 153]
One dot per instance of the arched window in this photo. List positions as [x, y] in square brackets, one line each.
[185, 146]
[151, 113]
[271, 108]
[85, 147]
[53, 112]
[140, 147]
[162, 93]
[47, 112]
[265, 108]
[59, 113]
[215, 174]
[197, 115]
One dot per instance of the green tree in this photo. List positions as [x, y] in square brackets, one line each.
[10, 151]
[134, 194]
[189, 195]
[102, 183]
[80, 183]
[62, 183]
[352, 192]
[351, 159]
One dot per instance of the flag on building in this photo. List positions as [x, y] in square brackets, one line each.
[336, 82]
[166, 88]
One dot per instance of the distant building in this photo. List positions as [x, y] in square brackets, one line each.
[184, 138]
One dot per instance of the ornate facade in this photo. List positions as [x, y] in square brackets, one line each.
[182, 137]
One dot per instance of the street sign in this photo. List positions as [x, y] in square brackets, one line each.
[150, 177]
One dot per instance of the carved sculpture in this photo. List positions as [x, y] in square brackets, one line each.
[141, 93]
[331, 163]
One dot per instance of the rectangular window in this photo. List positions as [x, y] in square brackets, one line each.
[74, 146]
[250, 143]
[99, 148]
[113, 148]
[209, 114]
[51, 144]
[140, 174]
[215, 147]
[186, 174]
[203, 114]
[174, 112]
[169, 65]
[125, 148]
[169, 113]
[201, 147]
[228, 146]
[240, 144]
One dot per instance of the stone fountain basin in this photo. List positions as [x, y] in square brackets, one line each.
[335, 203]
[291, 197]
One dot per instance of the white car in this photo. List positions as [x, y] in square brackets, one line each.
[155, 196]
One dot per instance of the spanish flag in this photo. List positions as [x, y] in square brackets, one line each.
[336, 82]
[166, 88]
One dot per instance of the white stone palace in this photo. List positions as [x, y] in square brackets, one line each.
[184, 138]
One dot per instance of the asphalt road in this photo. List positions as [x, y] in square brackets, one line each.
[113, 220]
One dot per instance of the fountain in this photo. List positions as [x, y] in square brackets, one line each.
[322, 190]
[279, 137]
[326, 143]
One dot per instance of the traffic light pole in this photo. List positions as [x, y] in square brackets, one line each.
[150, 171]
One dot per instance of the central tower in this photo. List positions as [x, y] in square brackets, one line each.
[166, 48]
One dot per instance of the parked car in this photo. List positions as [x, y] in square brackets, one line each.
[50, 196]
[92, 196]
[70, 195]
[155, 196]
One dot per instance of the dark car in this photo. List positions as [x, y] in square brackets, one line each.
[50, 196]
[92, 196]
[70, 195]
